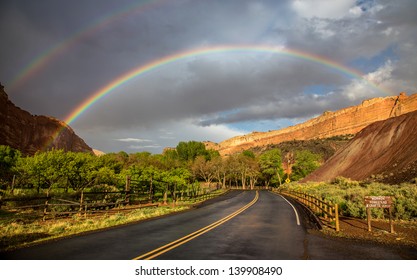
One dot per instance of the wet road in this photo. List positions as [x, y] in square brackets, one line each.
[239, 225]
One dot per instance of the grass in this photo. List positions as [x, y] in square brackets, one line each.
[19, 229]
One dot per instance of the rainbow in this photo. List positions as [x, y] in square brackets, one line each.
[44, 58]
[142, 69]
[176, 57]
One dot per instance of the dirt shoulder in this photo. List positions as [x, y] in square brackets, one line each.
[405, 232]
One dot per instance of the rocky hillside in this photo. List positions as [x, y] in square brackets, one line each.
[29, 134]
[383, 151]
[346, 121]
[325, 147]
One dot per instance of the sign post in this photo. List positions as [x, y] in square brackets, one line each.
[378, 202]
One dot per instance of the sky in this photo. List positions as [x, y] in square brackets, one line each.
[278, 63]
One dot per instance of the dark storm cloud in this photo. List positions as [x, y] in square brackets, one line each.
[207, 91]
[211, 86]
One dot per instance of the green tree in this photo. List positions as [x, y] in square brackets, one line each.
[271, 167]
[81, 170]
[188, 151]
[44, 170]
[177, 180]
[112, 161]
[8, 161]
[305, 163]
[249, 154]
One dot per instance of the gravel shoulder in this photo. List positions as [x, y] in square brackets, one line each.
[405, 232]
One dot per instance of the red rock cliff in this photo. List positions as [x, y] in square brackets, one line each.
[29, 134]
[385, 151]
[346, 121]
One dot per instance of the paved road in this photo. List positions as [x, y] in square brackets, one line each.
[238, 225]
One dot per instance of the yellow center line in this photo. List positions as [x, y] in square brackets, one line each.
[168, 247]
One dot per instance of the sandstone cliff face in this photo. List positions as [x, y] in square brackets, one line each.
[346, 121]
[29, 134]
[384, 151]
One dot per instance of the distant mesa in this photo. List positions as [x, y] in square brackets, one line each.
[30, 133]
[350, 120]
[98, 152]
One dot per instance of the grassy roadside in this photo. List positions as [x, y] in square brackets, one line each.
[19, 229]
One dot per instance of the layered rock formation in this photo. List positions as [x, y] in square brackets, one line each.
[29, 134]
[346, 121]
[383, 151]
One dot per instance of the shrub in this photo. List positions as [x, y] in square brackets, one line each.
[350, 195]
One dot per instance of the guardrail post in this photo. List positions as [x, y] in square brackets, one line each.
[336, 215]
[330, 213]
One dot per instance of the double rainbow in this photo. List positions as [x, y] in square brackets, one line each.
[176, 57]
[41, 60]
[158, 63]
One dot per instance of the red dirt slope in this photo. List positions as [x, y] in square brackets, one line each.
[385, 151]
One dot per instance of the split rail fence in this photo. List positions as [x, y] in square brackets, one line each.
[85, 203]
[55, 206]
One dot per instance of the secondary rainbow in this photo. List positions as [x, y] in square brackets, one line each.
[145, 68]
[44, 58]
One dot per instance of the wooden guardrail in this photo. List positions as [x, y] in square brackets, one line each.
[327, 212]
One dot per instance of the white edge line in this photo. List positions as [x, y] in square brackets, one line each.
[295, 210]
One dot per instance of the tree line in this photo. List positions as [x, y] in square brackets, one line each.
[177, 170]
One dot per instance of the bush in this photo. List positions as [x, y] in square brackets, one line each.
[350, 196]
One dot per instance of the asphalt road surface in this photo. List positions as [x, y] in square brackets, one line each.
[239, 225]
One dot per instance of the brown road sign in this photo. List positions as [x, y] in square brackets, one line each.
[378, 201]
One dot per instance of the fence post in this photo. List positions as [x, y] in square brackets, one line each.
[336, 215]
[330, 213]
[368, 218]
[45, 209]
[81, 202]
[321, 207]
[127, 190]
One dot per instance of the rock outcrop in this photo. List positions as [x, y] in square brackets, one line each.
[383, 151]
[346, 121]
[29, 134]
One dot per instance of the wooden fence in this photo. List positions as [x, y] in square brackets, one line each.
[82, 203]
[327, 212]
[87, 203]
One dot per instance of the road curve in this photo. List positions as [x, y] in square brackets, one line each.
[239, 225]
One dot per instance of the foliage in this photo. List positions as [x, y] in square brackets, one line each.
[350, 196]
[188, 151]
[305, 163]
[8, 160]
[271, 167]
[174, 171]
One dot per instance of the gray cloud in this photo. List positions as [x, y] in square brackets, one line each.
[202, 93]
